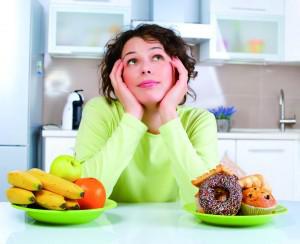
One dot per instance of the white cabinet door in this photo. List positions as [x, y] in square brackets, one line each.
[276, 160]
[54, 146]
[292, 31]
[297, 173]
[227, 147]
[79, 29]
[241, 6]
[243, 33]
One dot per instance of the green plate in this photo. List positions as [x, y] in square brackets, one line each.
[66, 216]
[237, 220]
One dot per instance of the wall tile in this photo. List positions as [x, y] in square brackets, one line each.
[276, 77]
[63, 76]
[246, 115]
[268, 113]
[239, 79]
[253, 89]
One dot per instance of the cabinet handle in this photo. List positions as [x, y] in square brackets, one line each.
[249, 9]
[266, 150]
[253, 61]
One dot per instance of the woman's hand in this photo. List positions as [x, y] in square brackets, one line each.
[127, 99]
[175, 95]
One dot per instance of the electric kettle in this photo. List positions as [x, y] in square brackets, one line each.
[72, 111]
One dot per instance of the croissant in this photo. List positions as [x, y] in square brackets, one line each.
[256, 180]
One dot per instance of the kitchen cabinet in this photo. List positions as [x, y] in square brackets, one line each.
[192, 33]
[276, 160]
[243, 33]
[297, 181]
[272, 155]
[81, 29]
[56, 144]
[292, 31]
[227, 147]
[270, 7]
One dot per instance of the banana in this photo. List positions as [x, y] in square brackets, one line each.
[20, 196]
[50, 200]
[24, 180]
[72, 204]
[58, 185]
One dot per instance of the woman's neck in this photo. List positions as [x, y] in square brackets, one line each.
[151, 118]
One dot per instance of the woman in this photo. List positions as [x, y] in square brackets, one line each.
[136, 139]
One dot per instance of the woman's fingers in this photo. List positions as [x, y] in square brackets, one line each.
[119, 71]
[124, 95]
[113, 73]
[181, 83]
[121, 88]
[183, 73]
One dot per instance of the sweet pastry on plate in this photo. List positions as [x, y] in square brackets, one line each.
[257, 201]
[222, 193]
[219, 192]
[256, 180]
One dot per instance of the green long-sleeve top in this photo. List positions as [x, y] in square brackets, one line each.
[137, 166]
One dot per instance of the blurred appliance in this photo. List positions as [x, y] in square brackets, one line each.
[21, 81]
[72, 111]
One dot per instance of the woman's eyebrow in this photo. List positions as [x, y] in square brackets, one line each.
[128, 54]
[151, 48]
[132, 52]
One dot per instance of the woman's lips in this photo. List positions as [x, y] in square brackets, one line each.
[148, 83]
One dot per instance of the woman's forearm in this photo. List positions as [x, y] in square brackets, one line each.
[107, 159]
[191, 155]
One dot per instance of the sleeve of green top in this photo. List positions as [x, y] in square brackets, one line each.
[104, 153]
[193, 152]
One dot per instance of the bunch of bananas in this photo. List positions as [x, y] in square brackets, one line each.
[35, 186]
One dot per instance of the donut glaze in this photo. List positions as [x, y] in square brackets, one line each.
[220, 194]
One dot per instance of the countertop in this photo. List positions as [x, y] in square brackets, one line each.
[247, 134]
[261, 134]
[147, 223]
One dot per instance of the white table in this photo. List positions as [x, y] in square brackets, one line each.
[147, 223]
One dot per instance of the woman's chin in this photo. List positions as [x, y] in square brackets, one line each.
[150, 100]
[150, 103]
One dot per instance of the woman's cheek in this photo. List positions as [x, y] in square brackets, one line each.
[125, 76]
[169, 74]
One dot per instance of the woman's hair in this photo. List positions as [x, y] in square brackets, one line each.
[173, 44]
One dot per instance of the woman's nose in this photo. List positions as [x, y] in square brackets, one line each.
[146, 71]
[146, 68]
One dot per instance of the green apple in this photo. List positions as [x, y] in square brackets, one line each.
[67, 167]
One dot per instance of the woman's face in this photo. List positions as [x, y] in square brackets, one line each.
[147, 72]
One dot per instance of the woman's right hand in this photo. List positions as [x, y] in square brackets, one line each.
[127, 99]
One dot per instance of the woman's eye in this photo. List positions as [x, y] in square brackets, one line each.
[157, 57]
[131, 61]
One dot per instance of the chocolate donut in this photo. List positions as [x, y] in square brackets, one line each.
[220, 194]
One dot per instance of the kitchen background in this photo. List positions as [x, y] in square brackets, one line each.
[33, 95]
[252, 89]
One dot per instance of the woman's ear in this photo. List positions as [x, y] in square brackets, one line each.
[122, 74]
[175, 74]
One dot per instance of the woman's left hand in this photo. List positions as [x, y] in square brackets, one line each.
[168, 105]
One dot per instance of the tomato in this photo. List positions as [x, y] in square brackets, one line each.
[94, 193]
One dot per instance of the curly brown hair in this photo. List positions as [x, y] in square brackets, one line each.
[173, 44]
